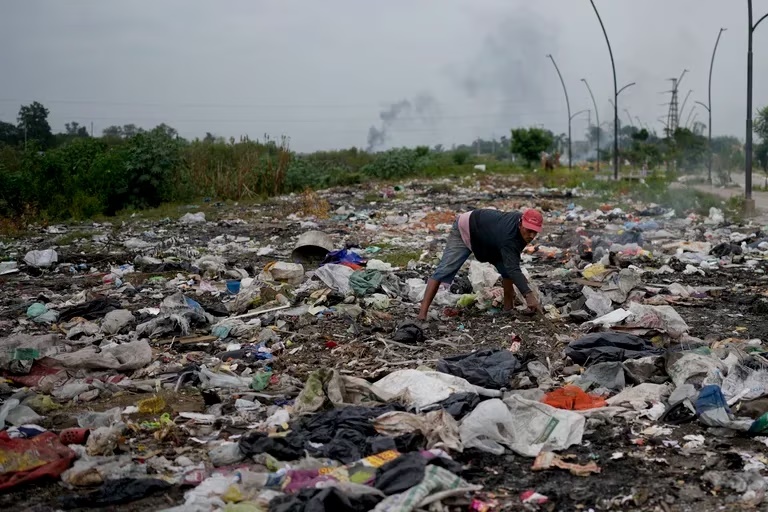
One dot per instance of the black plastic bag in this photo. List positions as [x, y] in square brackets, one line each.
[486, 368]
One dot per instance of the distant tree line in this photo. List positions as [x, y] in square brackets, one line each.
[73, 174]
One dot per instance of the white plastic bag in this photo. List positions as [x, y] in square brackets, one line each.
[211, 379]
[41, 259]
[597, 301]
[415, 289]
[524, 426]
[336, 277]
[420, 389]
[192, 218]
[482, 275]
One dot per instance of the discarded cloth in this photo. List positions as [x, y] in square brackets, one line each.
[343, 256]
[365, 282]
[328, 499]
[572, 398]
[486, 368]
[603, 347]
[25, 460]
[90, 310]
[115, 492]
[438, 427]
[459, 405]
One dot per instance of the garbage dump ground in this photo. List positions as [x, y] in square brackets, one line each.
[267, 357]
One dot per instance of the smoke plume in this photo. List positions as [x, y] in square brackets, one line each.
[422, 109]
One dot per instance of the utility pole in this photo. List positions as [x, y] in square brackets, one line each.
[568, 106]
[91, 128]
[597, 116]
[749, 204]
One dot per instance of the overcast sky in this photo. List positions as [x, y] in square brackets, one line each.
[323, 71]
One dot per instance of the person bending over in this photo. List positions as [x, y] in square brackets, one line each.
[494, 237]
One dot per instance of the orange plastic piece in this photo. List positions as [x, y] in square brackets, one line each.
[572, 398]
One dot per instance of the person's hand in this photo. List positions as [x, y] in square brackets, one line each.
[533, 303]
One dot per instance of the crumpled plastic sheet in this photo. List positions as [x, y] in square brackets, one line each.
[128, 356]
[524, 426]
[420, 389]
[660, 318]
[336, 277]
[327, 386]
[486, 368]
[437, 482]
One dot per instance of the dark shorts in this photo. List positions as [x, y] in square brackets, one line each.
[454, 256]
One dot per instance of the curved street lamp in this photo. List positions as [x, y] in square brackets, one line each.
[615, 98]
[568, 106]
[709, 106]
[750, 204]
[597, 115]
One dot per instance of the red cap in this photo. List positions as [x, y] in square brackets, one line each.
[533, 220]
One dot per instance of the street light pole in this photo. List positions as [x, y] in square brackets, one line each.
[568, 106]
[615, 97]
[709, 106]
[750, 204]
[597, 115]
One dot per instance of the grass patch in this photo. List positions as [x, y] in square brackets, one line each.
[399, 258]
[69, 238]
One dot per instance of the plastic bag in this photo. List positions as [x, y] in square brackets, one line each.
[420, 389]
[41, 259]
[336, 277]
[192, 218]
[482, 275]
[211, 379]
[525, 426]
[660, 318]
[597, 301]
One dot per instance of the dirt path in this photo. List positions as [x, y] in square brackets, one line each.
[761, 198]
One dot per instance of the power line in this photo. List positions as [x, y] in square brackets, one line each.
[377, 105]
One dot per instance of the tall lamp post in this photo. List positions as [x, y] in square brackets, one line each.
[749, 203]
[568, 106]
[708, 107]
[615, 97]
[597, 115]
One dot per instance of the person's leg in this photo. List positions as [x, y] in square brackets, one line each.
[454, 256]
[508, 285]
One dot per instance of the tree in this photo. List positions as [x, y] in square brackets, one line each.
[129, 130]
[33, 124]
[761, 129]
[761, 123]
[9, 134]
[530, 143]
[113, 132]
[75, 130]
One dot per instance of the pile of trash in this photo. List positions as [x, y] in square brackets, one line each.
[275, 363]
